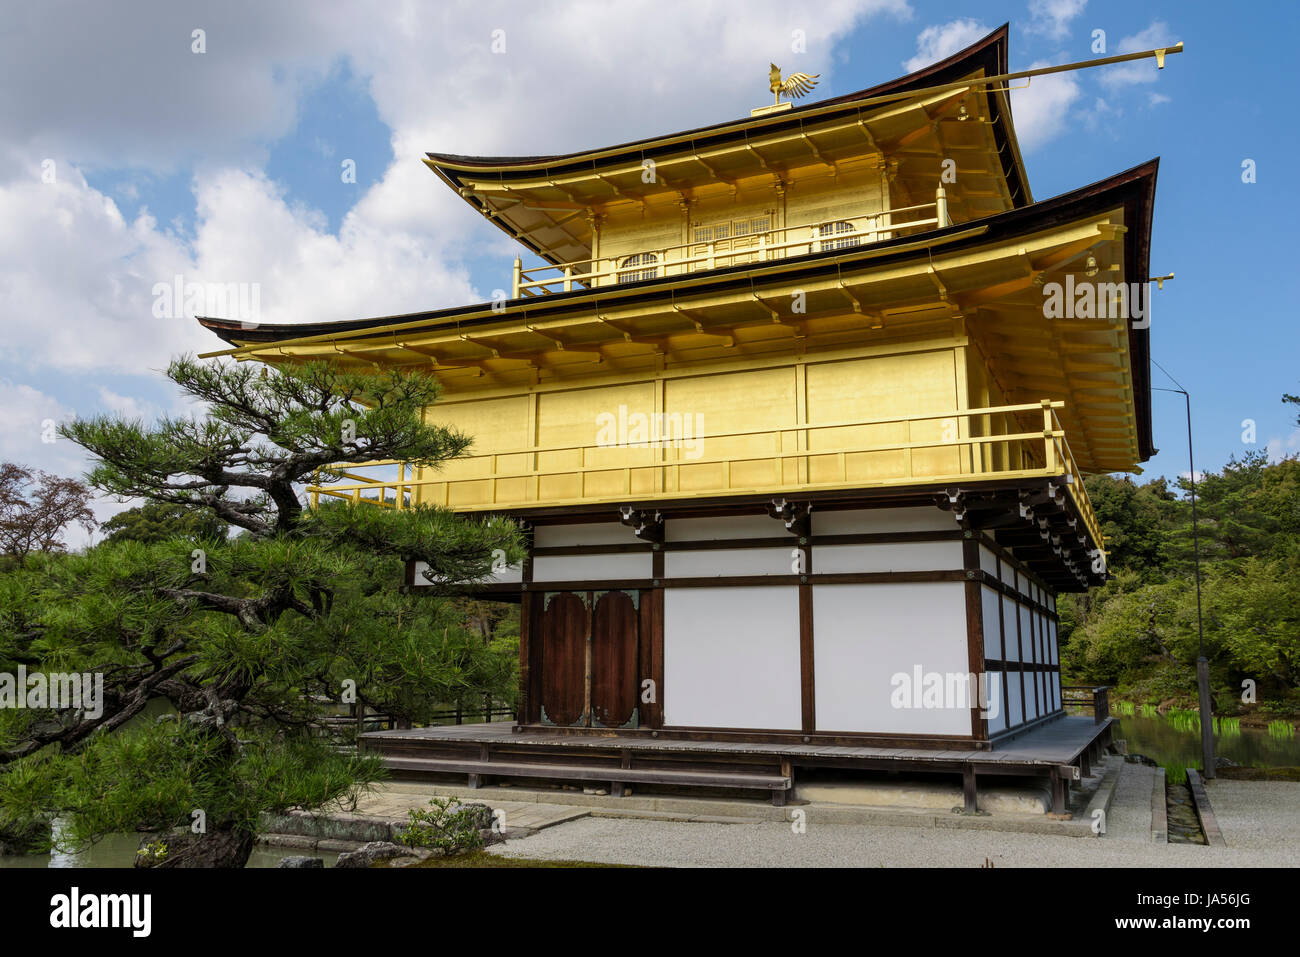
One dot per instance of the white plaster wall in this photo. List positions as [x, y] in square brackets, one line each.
[594, 533]
[992, 629]
[998, 720]
[716, 563]
[1015, 708]
[899, 557]
[988, 561]
[725, 526]
[880, 520]
[865, 634]
[1009, 623]
[563, 568]
[731, 658]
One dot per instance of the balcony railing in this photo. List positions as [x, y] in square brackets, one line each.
[933, 449]
[759, 247]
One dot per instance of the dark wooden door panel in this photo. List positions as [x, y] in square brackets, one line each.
[613, 660]
[564, 659]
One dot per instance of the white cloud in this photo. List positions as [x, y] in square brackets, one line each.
[1042, 109]
[1155, 99]
[77, 278]
[27, 437]
[1280, 447]
[116, 87]
[128, 407]
[1153, 37]
[1052, 17]
[942, 40]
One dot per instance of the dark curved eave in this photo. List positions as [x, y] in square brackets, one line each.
[989, 53]
[1134, 189]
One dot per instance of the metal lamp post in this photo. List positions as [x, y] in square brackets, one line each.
[1202, 663]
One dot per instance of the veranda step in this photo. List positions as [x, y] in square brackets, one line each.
[728, 779]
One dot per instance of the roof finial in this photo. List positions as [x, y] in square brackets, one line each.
[794, 86]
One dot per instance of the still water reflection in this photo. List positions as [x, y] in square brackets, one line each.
[118, 850]
[1176, 748]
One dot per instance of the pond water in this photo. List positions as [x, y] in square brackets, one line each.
[1176, 749]
[118, 850]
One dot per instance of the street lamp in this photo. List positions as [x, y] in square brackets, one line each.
[1202, 663]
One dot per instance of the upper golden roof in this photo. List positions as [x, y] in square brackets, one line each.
[912, 124]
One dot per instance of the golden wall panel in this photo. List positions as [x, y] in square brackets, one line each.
[732, 402]
[499, 424]
[882, 387]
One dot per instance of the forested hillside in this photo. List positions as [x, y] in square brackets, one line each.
[1139, 632]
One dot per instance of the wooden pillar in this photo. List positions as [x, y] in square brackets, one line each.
[807, 662]
[979, 725]
[1058, 793]
[528, 642]
[968, 788]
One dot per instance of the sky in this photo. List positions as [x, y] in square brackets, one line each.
[277, 145]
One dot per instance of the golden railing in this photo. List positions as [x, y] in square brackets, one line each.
[757, 247]
[1004, 442]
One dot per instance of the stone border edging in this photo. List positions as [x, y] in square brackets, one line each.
[1204, 813]
[1159, 808]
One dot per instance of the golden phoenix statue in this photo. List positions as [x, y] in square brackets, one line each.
[795, 85]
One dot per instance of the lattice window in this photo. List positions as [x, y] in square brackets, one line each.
[634, 268]
[838, 235]
[734, 242]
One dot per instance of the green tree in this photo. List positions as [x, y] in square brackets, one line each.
[1132, 519]
[158, 521]
[249, 641]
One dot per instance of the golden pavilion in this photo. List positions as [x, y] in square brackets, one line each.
[794, 434]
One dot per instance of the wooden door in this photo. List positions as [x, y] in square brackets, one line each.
[614, 661]
[564, 660]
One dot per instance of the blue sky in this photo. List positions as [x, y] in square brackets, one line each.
[225, 165]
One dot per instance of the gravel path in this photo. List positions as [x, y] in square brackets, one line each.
[1261, 822]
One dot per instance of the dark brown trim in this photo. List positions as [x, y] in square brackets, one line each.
[1002, 642]
[779, 736]
[886, 538]
[522, 713]
[1020, 656]
[807, 660]
[645, 659]
[906, 496]
[974, 629]
[1039, 704]
[1009, 557]
[556, 551]
[1031, 667]
[727, 544]
[657, 657]
[743, 581]
[998, 585]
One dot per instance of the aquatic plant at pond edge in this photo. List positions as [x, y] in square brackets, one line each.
[1281, 729]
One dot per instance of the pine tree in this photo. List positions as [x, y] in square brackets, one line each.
[251, 640]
